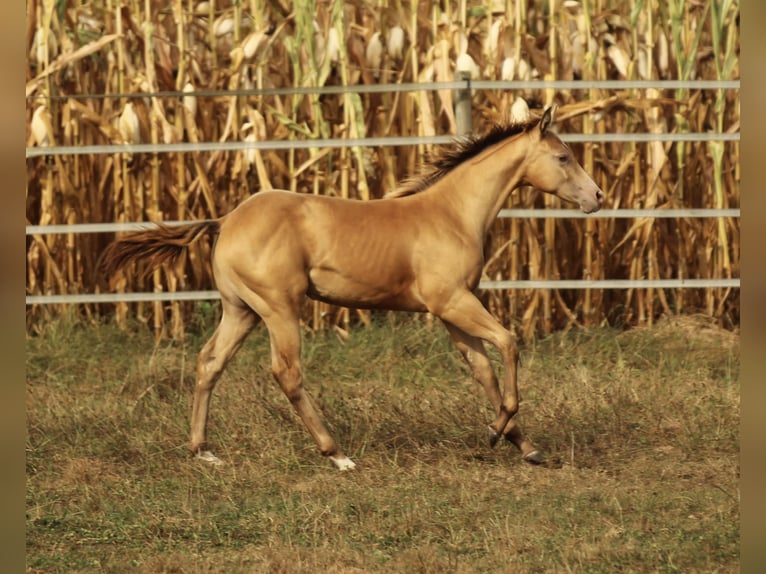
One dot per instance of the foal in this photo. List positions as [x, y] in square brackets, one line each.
[418, 249]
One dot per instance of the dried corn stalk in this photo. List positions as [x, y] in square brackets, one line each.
[126, 54]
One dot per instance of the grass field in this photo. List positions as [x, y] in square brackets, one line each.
[640, 429]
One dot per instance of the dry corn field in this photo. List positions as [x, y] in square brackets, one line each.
[133, 71]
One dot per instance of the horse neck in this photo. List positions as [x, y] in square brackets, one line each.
[476, 190]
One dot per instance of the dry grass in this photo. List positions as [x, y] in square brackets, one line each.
[128, 51]
[640, 429]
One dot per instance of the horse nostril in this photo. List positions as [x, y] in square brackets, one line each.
[600, 195]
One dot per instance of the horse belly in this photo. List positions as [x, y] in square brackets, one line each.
[388, 292]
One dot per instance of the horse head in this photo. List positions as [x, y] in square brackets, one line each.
[552, 168]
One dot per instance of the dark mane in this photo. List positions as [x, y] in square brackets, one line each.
[448, 157]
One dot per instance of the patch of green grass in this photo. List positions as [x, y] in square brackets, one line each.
[639, 427]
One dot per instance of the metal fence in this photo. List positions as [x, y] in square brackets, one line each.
[463, 87]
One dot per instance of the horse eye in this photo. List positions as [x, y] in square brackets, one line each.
[563, 159]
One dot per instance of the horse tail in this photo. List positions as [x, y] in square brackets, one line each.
[163, 244]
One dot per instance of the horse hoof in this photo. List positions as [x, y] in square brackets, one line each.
[534, 457]
[209, 457]
[493, 437]
[343, 463]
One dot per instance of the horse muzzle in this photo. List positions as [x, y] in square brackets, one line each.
[593, 205]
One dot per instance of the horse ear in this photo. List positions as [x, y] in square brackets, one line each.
[547, 119]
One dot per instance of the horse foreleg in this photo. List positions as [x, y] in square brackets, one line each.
[236, 323]
[463, 310]
[284, 333]
[475, 355]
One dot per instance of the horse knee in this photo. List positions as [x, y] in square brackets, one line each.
[512, 406]
[280, 372]
[294, 393]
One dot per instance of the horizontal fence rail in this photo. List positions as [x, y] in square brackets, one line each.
[695, 213]
[504, 214]
[505, 85]
[186, 147]
[557, 284]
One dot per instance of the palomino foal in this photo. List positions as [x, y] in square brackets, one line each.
[418, 249]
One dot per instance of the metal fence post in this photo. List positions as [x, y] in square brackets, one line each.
[463, 104]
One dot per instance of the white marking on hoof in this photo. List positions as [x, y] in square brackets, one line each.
[343, 463]
[209, 457]
[534, 457]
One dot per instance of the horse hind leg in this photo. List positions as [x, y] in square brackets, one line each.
[284, 333]
[236, 323]
[475, 355]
